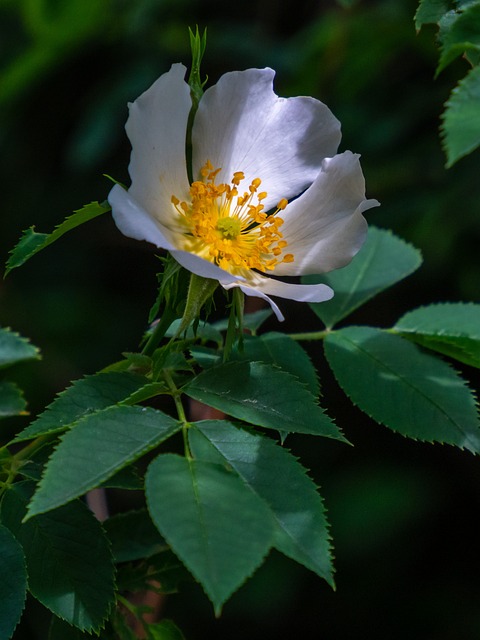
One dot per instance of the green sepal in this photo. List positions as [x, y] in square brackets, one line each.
[200, 291]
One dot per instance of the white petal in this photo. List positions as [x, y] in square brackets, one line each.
[262, 287]
[242, 125]
[134, 222]
[157, 126]
[298, 292]
[324, 227]
[203, 268]
[255, 293]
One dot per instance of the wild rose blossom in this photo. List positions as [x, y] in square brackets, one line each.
[270, 195]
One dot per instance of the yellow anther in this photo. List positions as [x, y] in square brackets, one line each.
[238, 176]
[231, 231]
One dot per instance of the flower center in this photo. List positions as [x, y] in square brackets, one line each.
[229, 229]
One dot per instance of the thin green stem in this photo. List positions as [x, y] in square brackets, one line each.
[311, 335]
[176, 395]
[13, 463]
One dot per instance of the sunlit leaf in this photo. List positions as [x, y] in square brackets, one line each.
[264, 396]
[400, 386]
[449, 328]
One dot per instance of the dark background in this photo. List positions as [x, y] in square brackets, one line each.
[403, 514]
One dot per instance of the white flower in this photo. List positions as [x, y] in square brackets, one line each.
[270, 196]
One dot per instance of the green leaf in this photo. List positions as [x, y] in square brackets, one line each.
[459, 32]
[133, 536]
[85, 396]
[212, 521]
[430, 12]
[12, 402]
[264, 396]
[400, 386]
[100, 445]
[282, 351]
[461, 119]
[70, 568]
[452, 329]
[14, 348]
[32, 242]
[383, 261]
[206, 357]
[13, 585]
[279, 481]
[165, 630]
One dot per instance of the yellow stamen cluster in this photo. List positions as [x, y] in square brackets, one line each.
[229, 229]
